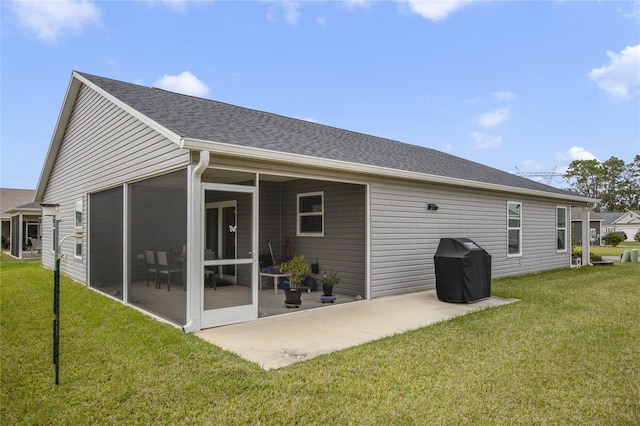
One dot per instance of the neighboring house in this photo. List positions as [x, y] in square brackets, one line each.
[594, 228]
[20, 222]
[141, 172]
[627, 222]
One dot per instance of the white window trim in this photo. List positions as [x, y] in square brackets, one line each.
[512, 228]
[78, 228]
[299, 214]
[566, 233]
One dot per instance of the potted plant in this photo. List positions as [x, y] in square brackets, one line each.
[296, 269]
[328, 280]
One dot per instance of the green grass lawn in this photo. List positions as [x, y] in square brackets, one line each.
[567, 353]
[613, 251]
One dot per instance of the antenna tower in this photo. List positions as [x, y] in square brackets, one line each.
[546, 177]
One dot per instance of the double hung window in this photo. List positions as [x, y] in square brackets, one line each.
[561, 228]
[514, 228]
[310, 214]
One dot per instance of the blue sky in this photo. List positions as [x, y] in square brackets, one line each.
[519, 86]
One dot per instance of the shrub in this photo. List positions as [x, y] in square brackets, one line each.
[613, 239]
[577, 254]
[296, 268]
[637, 236]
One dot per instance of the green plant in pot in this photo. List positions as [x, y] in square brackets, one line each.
[328, 280]
[296, 268]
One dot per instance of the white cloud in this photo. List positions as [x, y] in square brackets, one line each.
[185, 83]
[51, 19]
[532, 165]
[176, 5]
[575, 153]
[504, 95]
[493, 118]
[634, 13]
[289, 10]
[621, 75]
[484, 141]
[352, 4]
[435, 10]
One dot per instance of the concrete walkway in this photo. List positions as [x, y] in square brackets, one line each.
[267, 341]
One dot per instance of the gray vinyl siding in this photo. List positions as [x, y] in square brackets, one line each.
[342, 248]
[103, 147]
[405, 235]
[269, 216]
[244, 225]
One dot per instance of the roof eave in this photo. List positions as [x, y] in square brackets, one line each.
[298, 159]
[630, 214]
[13, 212]
[61, 124]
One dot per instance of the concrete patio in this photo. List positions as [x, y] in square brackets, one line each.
[327, 329]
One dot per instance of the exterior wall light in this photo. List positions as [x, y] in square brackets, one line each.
[50, 209]
[431, 206]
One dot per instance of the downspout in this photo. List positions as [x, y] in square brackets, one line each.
[194, 237]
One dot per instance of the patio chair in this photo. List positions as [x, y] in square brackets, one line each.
[210, 277]
[210, 271]
[152, 266]
[166, 268]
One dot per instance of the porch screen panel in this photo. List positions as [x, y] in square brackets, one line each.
[15, 236]
[105, 241]
[157, 245]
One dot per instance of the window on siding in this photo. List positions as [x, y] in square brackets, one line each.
[561, 228]
[311, 214]
[78, 228]
[514, 228]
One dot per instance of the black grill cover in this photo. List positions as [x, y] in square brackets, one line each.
[463, 271]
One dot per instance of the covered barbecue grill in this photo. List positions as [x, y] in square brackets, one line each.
[463, 271]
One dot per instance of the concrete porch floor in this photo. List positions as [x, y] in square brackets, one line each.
[327, 329]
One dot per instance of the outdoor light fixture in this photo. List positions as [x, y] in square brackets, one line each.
[431, 206]
[50, 209]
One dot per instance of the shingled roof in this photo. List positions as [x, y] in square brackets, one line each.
[207, 120]
[11, 198]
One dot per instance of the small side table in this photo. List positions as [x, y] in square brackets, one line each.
[275, 279]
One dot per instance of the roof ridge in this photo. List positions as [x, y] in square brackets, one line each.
[205, 119]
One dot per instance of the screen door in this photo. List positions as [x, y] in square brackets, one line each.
[229, 277]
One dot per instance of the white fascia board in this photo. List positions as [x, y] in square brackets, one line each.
[627, 219]
[56, 139]
[297, 159]
[32, 212]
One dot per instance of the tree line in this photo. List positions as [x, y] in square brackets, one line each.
[617, 184]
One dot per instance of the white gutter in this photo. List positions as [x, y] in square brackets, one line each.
[194, 242]
[298, 159]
